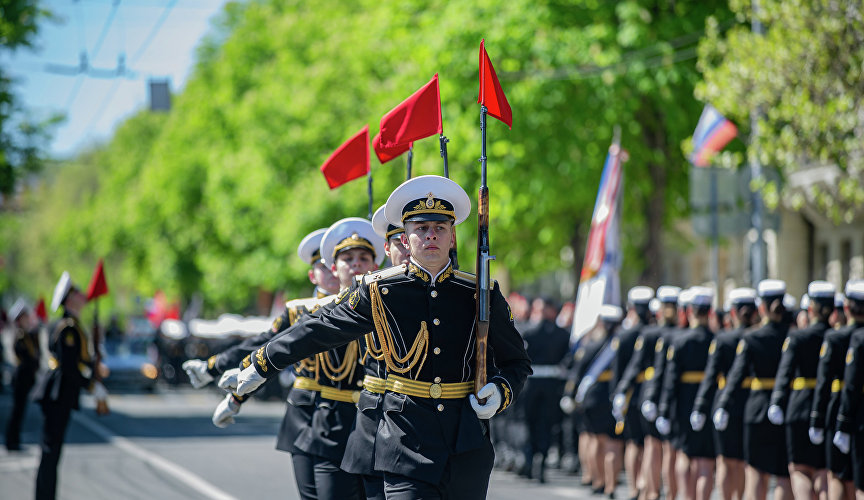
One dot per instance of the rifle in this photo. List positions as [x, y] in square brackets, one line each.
[442, 142]
[483, 259]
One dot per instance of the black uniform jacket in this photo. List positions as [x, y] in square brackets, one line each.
[653, 385]
[26, 348]
[757, 358]
[799, 361]
[829, 377]
[685, 362]
[637, 370]
[71, 367]
[428, 325]
[625, 347]
[850, 418]
[721, 354]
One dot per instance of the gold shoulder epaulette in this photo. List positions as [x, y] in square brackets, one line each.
[462, 275]
[385, 273]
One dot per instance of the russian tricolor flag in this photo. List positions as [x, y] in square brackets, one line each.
[712, 133]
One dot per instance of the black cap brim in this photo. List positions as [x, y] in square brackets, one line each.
[428, 218]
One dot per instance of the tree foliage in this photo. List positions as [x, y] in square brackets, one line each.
[215, 196]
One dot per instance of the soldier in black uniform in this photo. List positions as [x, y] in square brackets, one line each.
[756, 359]
[628, 426]
[797, 374]
[728, 443]
[71, 369]
[548, 346]
[433, 441]
[685, 361]
[26, 349]
[850, 416]
[826, 396]
[634, 386]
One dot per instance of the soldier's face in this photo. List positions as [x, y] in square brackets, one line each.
[429, 242]
[396, 251]
[324, 278]
[352, 262]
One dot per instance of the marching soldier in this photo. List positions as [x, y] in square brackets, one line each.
[728, 443]
[433, 442]
[756, 359]
[826, 396]
[26, 349]
[685, 361]
[71, 369]
[547, 345]
[797, 374]
[628, 428]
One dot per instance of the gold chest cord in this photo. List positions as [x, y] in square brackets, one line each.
[418, 351]
[345, 369]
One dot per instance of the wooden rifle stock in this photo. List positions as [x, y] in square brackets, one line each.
[482, 287]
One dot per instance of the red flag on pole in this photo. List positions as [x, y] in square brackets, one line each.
[98, 286]
[40, 310]
[417, 117]
[386, 154]
[349, 161]
[491, 94]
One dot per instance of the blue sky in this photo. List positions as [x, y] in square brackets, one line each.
[95, 106]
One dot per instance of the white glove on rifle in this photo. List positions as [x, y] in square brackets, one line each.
[663, 426]
[817, 436]
[228, 381]
[842, 442]
[223, 416]
[196, 369]
[248, 381]
[492, 394]
[649, 411]
[697, 421]
[721, 419]
[618, 402]
[567, 404]
[775, 415]
[99, 392]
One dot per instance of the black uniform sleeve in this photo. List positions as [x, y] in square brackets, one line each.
[853, 381]
[653, 386]
[708, 388]
[671, 374]
[72, 364]
[508, 350]
[736, 374]
[822, 392]
[783, 379]
[634, 368]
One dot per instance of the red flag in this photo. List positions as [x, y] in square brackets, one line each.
[40, 310]
[386, 154]
[417, 117]
[491, 94]
[98, 286]
[348, 162]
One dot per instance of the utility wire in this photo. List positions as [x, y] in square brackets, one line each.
[150, 36]
[105, 29]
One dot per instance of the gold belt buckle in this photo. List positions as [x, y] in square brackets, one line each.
[435, 391]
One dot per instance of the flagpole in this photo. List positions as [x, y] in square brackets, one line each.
[410, 161]
[369, 189]
[758, 252]
[443, 141]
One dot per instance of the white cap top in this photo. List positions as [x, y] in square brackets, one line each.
[351, 232]
[654, 305]
[855, 289]
[684, 297]
[668, 294]
[701, 296]
[17, 309]
[309, 249]
[60, 291]
[805, 302]
[429, 195]
[742, 295]
[821, 290]
[839, 299]
[608, 312]
[771, 288]
[788, 302]
[640, 295]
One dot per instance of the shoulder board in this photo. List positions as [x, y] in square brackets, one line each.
[309, 303]
[323, 301]
[462, 275]
[384, 274]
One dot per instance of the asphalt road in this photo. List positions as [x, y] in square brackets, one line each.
[164, 446]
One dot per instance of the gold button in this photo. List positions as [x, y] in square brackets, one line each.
[359, 383]
[437, 380]
[440, 407]
[436, 322]
[385, 291]
[434, 293]
[437, 350]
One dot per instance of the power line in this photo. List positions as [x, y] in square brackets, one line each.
[105, 28]
[150, 36]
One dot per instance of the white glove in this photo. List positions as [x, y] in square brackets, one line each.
[663, 426]
[228, 381]
[567, 404]
[697, 421]
[841, 441]
[223, 416]
[817, 436]
[248, 381]
[582, 390]
[197, 371]
[492, 394]
[99, 392]
[649, 411]
[775, 415]
[721, 419]
[618, 402]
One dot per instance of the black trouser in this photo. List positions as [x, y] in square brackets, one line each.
[53, 433]
[22, 386]
[304, 475]
[333, 483]
[374, 487]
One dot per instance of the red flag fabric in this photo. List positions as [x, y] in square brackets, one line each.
[491, 94]
[417, 117]
[98, 286]
[40, 310]
[386, 154]
[349, 161]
